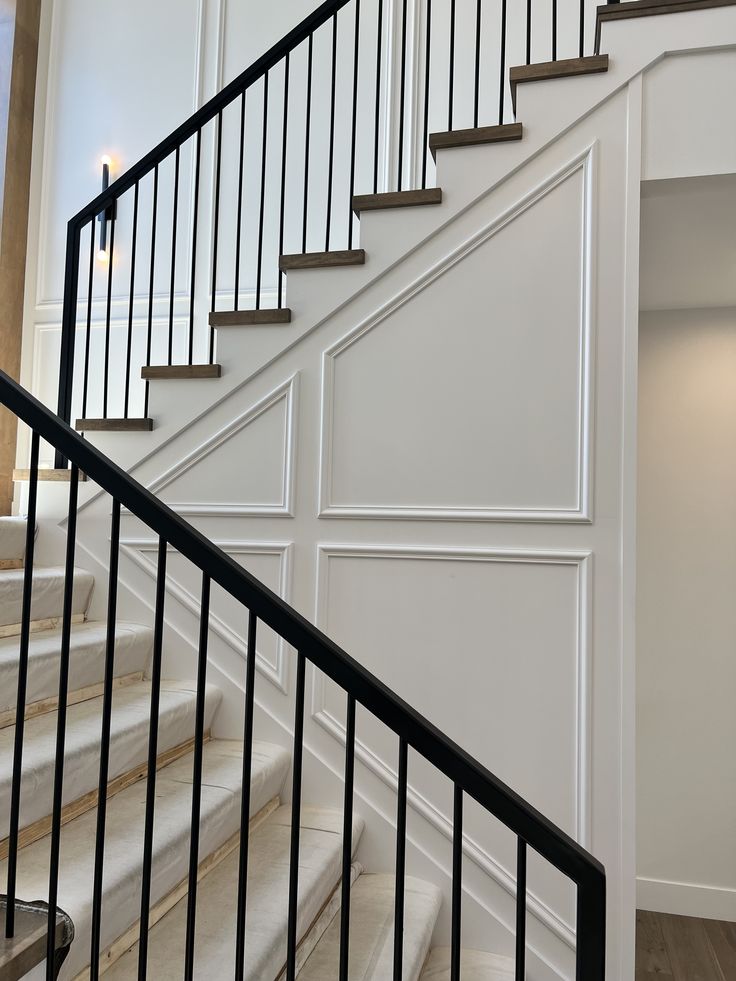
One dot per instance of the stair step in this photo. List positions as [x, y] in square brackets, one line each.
[249, 318]
[114, 425]
[322, 260]
[456, 138]
[128, 749]
[46, 474]
[133, 644]
[396, 199]
[12, 542]
[320, 855]
[47, 598]
[220, 821]
[153, 372]
[372, 933]
[547, 70]
[27, 948]
[475, 965]
[649, 8]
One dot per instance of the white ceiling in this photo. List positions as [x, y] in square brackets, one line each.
[688, 243]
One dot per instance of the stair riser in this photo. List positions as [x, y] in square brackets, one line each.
[47, 601]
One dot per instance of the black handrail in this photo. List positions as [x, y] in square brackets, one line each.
[467, 774]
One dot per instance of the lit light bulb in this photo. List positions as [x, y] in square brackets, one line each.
[106, 160]
[102, 255]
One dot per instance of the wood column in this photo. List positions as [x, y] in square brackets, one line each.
[19, 27]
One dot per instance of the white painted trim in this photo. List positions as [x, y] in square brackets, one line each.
[686, 899]
[582, 560]
[585, 161]
[287, 391]
[277, 674]
[49, 129]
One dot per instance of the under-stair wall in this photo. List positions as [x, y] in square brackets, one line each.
[430, 469]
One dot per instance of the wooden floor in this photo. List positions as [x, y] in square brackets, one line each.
[684, 948]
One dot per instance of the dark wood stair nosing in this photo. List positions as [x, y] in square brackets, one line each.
[545, 71]
[322, 260]
[650, 8]
[478, 136]
[137, 425]
[397, 199]
[249, 318]
[154, 372]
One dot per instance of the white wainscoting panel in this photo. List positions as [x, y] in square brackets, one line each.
[270, 562]
[509, 628]
[488, 417]
[253, 458]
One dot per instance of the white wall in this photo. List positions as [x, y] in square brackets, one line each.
[686, 636]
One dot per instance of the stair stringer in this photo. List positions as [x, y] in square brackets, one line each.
[547, 110]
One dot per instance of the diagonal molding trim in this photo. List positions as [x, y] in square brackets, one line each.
[582, 561]
[138, 550]
[585, 163]
[286, 392]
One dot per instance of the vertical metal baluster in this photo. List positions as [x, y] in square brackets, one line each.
[195, 221]
[582, 28]
[128, 346]
[347, 840]
[88, 331]
[502, 59]
[106, 368]
[66, 629]
[158, 639]
[457, 884]
[239, 219]
[151, 282]
[354, 124]
[554, 30]
[427, 60]
[306, 142]
[250, 682]
[331, 157]
[379, 51]
[263, 191]
[112, 600]
[400, 862]
[284, 144]
[197, 779]
[216, 217]
[520, 973]
[402, 96]
[476, 109]
[20, 705]
[528, 32]
[68, 329]
[451, 99]
[296, 806]
[174, 223]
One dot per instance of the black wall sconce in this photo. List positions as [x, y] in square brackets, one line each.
[109, 213]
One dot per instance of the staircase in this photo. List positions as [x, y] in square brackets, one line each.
[183, 854]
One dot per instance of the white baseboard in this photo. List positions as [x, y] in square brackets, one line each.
[686, 899]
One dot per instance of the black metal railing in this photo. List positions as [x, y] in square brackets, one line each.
[198, 224]
[468, 777]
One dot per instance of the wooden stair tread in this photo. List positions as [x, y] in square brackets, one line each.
[475, 137]
[650, 8]
[547, 70]
[396, 199]
[114, 425]
[45, 473]
[322, 260]
[249, 318]
[154, 371]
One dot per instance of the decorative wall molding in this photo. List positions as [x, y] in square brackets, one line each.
[138, 549]
[58, 11]
[287, 392]
[585, 162]
[582, 561]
